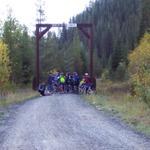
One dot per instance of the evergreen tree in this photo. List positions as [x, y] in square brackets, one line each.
[27, 57]
[145, 21]
[117, 25]
[11, 36]
[20, 47]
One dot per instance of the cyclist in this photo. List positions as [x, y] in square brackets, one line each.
[42, 88]
[82, 86]
[55, 81]
[69, 82]
[62, 82]
[87, 81]
[50, 82]
[76, 81]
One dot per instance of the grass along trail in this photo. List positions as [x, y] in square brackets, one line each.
[17, 96]
[114, 98]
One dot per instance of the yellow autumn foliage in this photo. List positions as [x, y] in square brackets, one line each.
[5, 68]
[139, 69]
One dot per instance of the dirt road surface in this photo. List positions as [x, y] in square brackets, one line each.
[65, 122]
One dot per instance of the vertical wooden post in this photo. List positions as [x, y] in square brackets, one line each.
[37, 74]
[91, 51]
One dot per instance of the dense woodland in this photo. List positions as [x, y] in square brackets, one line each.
[118, 27]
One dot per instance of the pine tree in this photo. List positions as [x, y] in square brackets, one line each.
[20, 47]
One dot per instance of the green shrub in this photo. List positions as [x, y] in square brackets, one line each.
[121, 72]
[105, 75]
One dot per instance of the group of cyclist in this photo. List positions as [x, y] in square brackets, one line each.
[67, 83]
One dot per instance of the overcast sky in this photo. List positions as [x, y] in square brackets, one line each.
[57, 11]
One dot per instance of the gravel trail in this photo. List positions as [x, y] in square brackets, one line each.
[65, 122]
